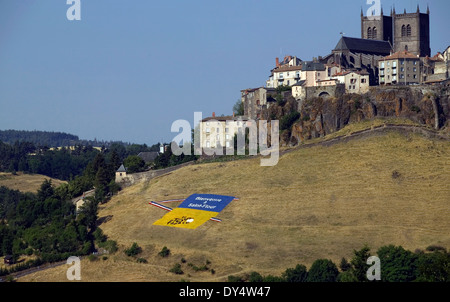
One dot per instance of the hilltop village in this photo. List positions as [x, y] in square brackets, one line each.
[393, 51]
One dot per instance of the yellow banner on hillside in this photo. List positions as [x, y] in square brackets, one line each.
[185, 218]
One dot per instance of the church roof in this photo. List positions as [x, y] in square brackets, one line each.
[356, 45]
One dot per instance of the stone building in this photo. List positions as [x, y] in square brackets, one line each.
[121, 173]
[255, 100]
[405, 32]
[400, 68]
[217, 132]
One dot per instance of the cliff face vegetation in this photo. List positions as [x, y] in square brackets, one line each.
[318, 117]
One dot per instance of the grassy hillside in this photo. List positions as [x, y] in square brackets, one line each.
[318, 202]
[25, 182]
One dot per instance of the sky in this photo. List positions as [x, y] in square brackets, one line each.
[128, 69]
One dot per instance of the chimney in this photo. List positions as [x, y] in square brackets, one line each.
[214, 114]
[277, 62]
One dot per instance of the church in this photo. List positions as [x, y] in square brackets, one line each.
[382, 36]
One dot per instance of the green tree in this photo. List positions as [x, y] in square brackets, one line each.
[297, 274]
[433, 266]
[238, 108]
[88, 214]
[359, 264]
[397, 264]
[134, 164]
[323, 270]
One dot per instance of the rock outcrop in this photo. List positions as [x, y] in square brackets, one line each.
[428, 105]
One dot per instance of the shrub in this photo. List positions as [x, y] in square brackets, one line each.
[134, 250]
[255, 277]
[109, 245]
[92, 257]
[165, 252]
[288, 120]
[176, 269]
[232, 278]
[141, 260]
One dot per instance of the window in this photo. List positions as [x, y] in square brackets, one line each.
[374, 33]
[218, 137]
[208, 144]
[218, 130]
[402, 62]
[415, 69]
[415, 76]
[227, 136]
[369, 33]
[227, 130]
[394, 64]
[415, 62]
[402, 69]
[228, 144]
[388, 63]
[408, 30]
[403, 31]
[382, 65]
[208, 130]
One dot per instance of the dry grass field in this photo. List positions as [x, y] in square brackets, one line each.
[25, 182]
[318, 202]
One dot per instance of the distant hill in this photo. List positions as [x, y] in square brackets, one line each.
[43, 138]
[55, 139]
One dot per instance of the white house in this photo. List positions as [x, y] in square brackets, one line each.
[219, 131]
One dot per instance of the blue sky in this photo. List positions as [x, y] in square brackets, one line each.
[128, 69]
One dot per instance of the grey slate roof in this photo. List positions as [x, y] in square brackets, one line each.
[122, 169]
[148, 156]
[366, 46]
[312, 66]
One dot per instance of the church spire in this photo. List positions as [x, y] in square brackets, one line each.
[418, 9]
[428, 9]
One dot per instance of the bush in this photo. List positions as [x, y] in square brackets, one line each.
[176, 269]
[288, 120]
[232, 278]
[134, 250]
[141, 260]
[109, 245]
[165, 252]
[255, 277]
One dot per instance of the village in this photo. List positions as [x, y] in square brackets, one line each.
[394, 50]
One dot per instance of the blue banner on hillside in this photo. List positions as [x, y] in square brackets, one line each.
[206, 202]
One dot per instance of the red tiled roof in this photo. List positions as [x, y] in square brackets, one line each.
[401, 55]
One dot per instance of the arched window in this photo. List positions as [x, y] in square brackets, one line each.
[374, 33]
[369, 33]
[408, 30]
[403, 31]
[406, 47]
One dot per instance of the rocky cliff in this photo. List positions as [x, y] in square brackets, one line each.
[425, 105]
